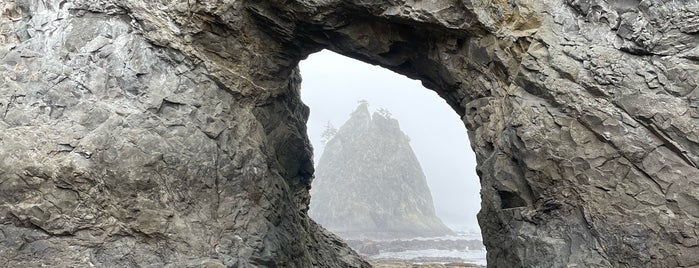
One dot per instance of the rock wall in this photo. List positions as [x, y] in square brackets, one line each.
[369, 184]
[139, 133]
[120, 152]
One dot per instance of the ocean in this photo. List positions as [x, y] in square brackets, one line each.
[466, 246]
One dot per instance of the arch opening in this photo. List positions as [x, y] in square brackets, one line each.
[332, 86]
[585, 138]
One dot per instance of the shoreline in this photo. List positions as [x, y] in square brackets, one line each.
[404, 264]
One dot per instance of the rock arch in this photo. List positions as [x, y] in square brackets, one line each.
[160, 132]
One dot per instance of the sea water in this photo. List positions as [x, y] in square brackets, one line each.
[470, 255]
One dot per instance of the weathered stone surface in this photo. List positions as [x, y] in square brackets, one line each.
[157, 133]
[117, 152]
[369, 184]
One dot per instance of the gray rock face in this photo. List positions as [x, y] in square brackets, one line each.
[369, 183]
[117, 152]
[170, 133]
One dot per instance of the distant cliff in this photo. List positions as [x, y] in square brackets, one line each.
[369, 184]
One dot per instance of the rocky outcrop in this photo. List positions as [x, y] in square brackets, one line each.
[369, 184]
[139, 133]
[119, 152]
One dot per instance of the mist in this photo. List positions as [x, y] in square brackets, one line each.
[332, 86]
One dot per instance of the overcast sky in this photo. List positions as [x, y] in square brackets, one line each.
[332, 85]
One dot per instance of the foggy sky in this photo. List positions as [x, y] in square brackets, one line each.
[332, 85]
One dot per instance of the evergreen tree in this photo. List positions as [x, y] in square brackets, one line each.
[328, 133]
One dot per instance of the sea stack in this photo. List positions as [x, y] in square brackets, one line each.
[369, 183]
